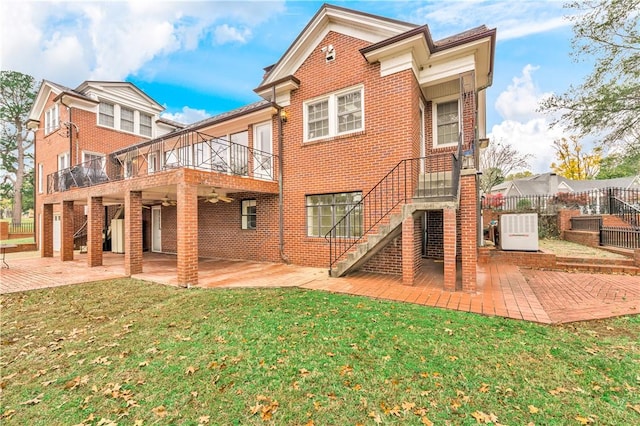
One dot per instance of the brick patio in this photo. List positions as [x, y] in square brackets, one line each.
[502, 290]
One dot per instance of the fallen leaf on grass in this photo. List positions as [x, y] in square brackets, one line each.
[7, 414]
[584, 420]
[204, 420]
[558, 391]
[425, 421]
[533, 409]
[190, 370]
[34, 401]
[159, 411]
[484, 418]
[635, 408]
[484, 388]
[304, 372]
[408, 405]
[376, 417]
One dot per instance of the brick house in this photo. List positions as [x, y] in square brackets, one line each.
[361, 155]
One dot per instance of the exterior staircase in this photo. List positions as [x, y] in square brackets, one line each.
[433, 190]
[595, 265]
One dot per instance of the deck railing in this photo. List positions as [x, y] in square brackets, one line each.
[190, 150]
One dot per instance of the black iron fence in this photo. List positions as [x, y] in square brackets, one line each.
[191, 150]
[628, 238]
[586, 223]
[593, 202]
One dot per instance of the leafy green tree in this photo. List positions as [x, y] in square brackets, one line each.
[17, 93]
[607, 103]
[519, 175]
[620, 165]
[573, 162]
[498, 160]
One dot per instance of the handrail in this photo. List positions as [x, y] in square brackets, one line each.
[625, 211]
[192, 150]
[422, 177]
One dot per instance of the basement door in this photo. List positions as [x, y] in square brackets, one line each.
[156, 229]
[56, 231]
[263, 152]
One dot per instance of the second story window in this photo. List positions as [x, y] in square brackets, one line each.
[145, 124]
[126, 119]
[106, 116]
[446, 123]
[51, 119]
[335, 114]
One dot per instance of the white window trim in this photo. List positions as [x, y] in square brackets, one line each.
[333, 113]
[52, 119]
[152, 162]
[245, 216]
[40, 178]
[64, 155]
[434, 118]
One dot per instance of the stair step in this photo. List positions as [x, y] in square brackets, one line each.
[598, 268]
[595, 261]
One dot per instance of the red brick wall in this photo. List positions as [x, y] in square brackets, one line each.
[344, 164]
[611, 220]
[220, 229]
[388, 260]
[591, 239]
[90, 137]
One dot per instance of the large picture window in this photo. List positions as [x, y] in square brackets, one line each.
[324, 211]
[447, 123]
[335, 114]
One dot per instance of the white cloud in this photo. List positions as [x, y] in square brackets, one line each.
[68, 42]
[186, 115]
[513, 19]
[226, 34]
[526, 129]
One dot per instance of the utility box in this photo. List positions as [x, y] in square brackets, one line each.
[117, 235]
[519, 232]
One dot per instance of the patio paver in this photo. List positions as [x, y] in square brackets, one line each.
[503, 290]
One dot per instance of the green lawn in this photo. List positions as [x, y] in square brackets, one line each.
[131, 352]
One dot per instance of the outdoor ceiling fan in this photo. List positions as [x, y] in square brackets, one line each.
[214, 197]
[166, 202]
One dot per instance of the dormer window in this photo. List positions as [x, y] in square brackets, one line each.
[51, 119]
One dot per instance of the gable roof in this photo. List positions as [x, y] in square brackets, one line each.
[550, 184]
[331, 18]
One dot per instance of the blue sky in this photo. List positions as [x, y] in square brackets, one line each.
[206, 57]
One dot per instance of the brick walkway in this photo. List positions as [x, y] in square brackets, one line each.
[503, 290]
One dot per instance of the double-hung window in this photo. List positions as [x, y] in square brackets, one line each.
[145, 124]
[249, 214]
[126, 119]
[334, 114]
[327, 210]
[446, 123]
[51, 119]
[106, 115]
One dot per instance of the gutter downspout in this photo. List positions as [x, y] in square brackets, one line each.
[283, 256]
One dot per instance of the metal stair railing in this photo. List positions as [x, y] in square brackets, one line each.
[625, 211]
[397, 187]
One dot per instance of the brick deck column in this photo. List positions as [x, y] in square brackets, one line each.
[409, 269]
[187, 205]
[449, 245]
[95, 223]
[46, 245]
[469, 225]
[133, 233]
[66, 231]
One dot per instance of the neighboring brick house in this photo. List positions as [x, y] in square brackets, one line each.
[361, 155]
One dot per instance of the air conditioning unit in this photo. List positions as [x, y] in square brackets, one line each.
[519, 232]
